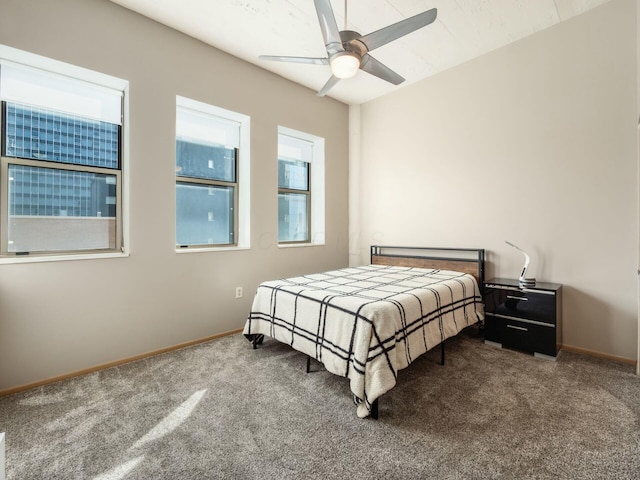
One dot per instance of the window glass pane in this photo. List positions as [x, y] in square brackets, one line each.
[200, 160]
[56, 210]
[41, 134]
[293, 174]
[292, 217]
[204, 214]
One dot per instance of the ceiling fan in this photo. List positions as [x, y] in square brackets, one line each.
[348, 51]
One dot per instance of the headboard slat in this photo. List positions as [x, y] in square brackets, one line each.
[474, 265]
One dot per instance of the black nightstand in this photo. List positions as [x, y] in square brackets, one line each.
[528, 319]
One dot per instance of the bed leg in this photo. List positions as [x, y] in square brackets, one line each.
[442, 353]
[256, 340]
[374, 409]
[308, 363]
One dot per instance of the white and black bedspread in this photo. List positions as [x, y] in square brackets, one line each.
[366, 323]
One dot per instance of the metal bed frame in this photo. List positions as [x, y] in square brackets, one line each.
[466, 260]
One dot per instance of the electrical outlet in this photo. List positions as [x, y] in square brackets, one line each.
[238, 292]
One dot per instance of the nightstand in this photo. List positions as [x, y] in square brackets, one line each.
[528, 319]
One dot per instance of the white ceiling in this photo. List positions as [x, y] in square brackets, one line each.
[464, 29]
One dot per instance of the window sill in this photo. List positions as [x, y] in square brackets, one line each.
[300, 245]
[210, 249]
[60, 258]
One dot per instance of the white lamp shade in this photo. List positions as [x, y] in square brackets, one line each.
[345, 65]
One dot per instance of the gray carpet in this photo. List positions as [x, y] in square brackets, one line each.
[223, 410]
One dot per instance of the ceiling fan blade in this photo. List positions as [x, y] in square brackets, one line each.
[279, 58]
[328, 86]
[329, 27]
[397, 30]
[380, 70]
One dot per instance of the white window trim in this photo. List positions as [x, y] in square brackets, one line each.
[32, 60]
[317, 188]
[243, 173]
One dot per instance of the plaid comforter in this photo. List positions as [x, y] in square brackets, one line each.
[366, 323]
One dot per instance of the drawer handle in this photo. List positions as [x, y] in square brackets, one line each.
[513, 297]
[518, 328]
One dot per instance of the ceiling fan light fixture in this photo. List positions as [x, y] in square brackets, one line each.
[345, 64]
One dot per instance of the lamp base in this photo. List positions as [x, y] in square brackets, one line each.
[527, 282]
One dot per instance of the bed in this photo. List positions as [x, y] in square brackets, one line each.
[367, 323]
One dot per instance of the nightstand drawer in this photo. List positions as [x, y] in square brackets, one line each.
[525, 304]
[522, 334]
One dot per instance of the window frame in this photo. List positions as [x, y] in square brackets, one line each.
[5, 162]
[11, 56]
[241, 183]
[182, 179]
[315, 185]
[295, 191]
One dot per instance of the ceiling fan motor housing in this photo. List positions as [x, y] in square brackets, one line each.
[351, 43]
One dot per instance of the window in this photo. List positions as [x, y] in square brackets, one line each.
[208, 175]
[61, 160]
[300, 187]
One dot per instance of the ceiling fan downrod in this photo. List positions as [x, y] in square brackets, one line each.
[346, 24]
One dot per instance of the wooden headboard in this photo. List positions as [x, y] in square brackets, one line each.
[466, 260]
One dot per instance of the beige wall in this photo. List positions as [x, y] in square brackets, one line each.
[535, 143]
[61, 317]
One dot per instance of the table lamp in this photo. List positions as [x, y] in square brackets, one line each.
[523, 280]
